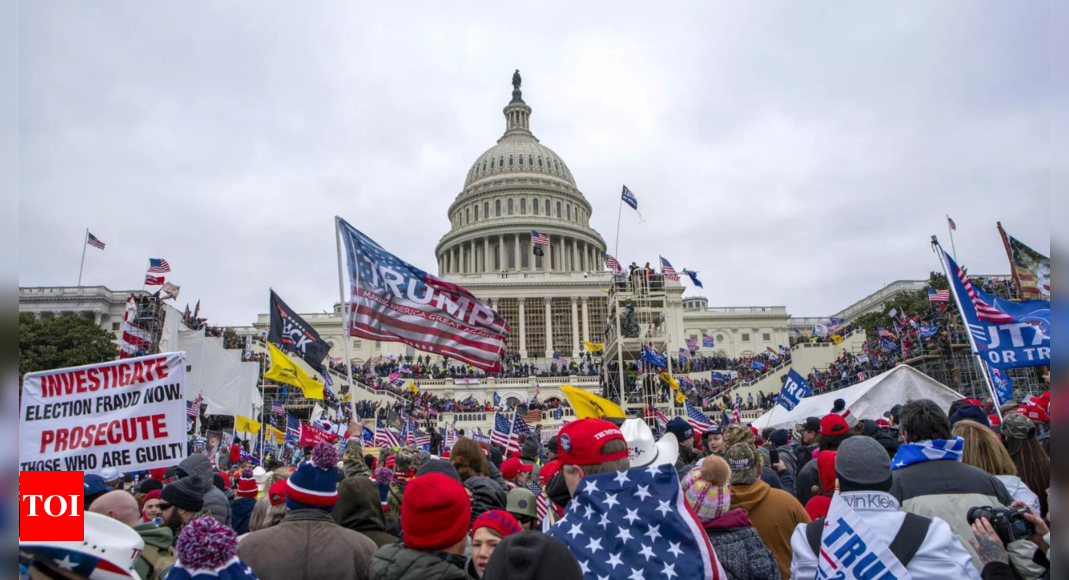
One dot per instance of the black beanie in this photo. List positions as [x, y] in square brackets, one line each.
[219, 482]
[532, 556]
[149, 485]
[439, 466]
[183, 495]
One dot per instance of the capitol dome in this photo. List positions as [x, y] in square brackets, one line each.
[516, 187]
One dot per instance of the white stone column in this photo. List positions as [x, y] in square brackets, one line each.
[486, 254]
[549, 328]
[523, 328]
[519, 265]
[501, 253]
[575, 327]
[531, 257]
[586, 319]
[575, 255]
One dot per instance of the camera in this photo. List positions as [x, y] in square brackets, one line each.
[1009, 523]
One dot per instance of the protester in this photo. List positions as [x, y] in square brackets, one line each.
[110, 549]
[436, 517]
[405, 466]
[714, 440]
[834, 430]
[777, 476]
[684, 433]
[872, 429]
[95, 487]
[804, 454]
[985, 451]
[780, 440]
[245, 502]
[157, 556]
[738, 545]
[486, 495]
[532, 556]
[530, 454]
[486, 533]
[359, 508]
[208, 549]
[927, 548]
[438, 466]
[523, 506]
[198, 469]
[270, 509]
[929, 478]
[180, 503]
[112, 478]
[1030, 460]
[829, 485]
[308, 544]
[516, 472]
[469, 459]
[150, 509]
[774, 513]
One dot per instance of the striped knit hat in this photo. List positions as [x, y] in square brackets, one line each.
[314, 486]
[247, 487]
[708, 490]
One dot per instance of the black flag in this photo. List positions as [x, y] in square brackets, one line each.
[292, 334]
[538, 251]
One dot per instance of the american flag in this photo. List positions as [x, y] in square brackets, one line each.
[158, 266]
[691, 343]
[953, 226]
[193, 409]
[396, 302]
[277, 408]
[534, 417]
[636, 524]
[984, 311]
[539, 239]
[383, 436]
[708, 342]
[542, 505]
[884, 333]
[154, 280]
[697, 419]
[736, 416]
[293, 429]
[93, 241]
[662, 420]
[668, 271]
[612, 264]
[506, 436]
[422, 439]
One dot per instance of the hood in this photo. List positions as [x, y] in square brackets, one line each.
[359, 506]
[734, 519]
[243, 506]
[530, 449]
[198, 468]
[748, 497]
[486, 495]
[157, 536]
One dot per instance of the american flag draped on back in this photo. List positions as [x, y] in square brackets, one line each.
[635, 524]
[396, 302]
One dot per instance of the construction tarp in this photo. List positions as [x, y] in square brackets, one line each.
[866, 400]
[228, 385]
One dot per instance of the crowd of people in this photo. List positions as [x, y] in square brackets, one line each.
[958, 493]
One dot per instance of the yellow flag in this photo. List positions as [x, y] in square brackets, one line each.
[592, 347]
[346, 397]
[246, 425]
[280, 437]
[670, 380]
[285, 371]
[412, 387]
[589, 405]
[680, 398]
[837, 339]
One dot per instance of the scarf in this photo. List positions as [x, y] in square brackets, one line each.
[935, 450]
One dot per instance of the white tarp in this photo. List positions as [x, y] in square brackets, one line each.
[866, 400]
[172, 325]
[228, 385]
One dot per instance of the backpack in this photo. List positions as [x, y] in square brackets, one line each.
[159, 562]
[905, 546]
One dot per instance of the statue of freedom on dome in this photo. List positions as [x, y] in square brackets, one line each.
[516, 80]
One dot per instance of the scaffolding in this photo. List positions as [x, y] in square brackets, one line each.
[959, 370]
[148, 316]
[637, 318]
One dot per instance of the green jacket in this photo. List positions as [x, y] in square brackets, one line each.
[158, 556]
[353, 460]
[396, 562]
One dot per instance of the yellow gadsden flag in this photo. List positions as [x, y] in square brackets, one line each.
[594, 347]
[280, 437]
[285, 371]
[680, 398]
[589, 405]
[837, 339]
[246, 425]
[670, 380]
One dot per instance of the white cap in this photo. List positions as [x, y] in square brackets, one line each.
[641, 449]
[109, 552]
[110, 474]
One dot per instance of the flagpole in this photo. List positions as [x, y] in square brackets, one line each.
[345, 318]
[953, 248]
[965, 322]
[85, 242]
[619, 217]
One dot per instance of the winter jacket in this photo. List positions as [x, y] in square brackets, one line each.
[307, 545]
[802, 456]
[740, 549]
[947, 490]
[783, 480]
[787, 456]
[353, 460]
[941, 556]
[199, 469]
[495, 474]
[486, 495]
[397, 562]
[687, 459]
[775, 514]
[359, 508]
[1019, 491]
[531, 454]
[242, 512]
[871, 429]
[808, 477]
[158, 556]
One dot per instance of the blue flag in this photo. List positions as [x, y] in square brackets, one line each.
[757, 366]
[927, 331]
[497, 399]
[652, 357]
[693, 278]
[1003, 385]
[1007, 334]
[888, 345]
[717, 376]
[369, 436]
[708, 342]
[794, 390]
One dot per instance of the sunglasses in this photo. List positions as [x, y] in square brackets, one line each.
[164, 506]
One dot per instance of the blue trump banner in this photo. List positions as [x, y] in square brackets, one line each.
[1003, 386]
[794, 390]
[1007, 335]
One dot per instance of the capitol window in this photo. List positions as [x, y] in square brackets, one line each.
[534, 206]
[746, 338]
[484, 167]
[521, 160]
[539, 162]
[497, 208]
[476, 213]
[720, 338]
[530, 161]
[766, 337]
[558, 209]
[510, 206]
[547, 208]
[486, 209]
[467, 216]
[569, 208]
[523, 203]
[510, 161]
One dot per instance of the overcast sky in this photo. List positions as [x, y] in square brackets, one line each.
[794, 153]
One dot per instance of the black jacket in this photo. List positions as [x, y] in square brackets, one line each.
[396, 562]
[486, 495]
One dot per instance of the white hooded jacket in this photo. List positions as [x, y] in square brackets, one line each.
[941, 557]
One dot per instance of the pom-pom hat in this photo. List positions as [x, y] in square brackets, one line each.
[315, 484]
[247, 486]
[708, 488]
[208, 549]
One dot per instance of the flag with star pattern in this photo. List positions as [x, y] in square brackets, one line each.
[635, 524]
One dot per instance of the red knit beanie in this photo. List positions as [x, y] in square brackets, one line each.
[247, 487]
[435, 512]
[500, 521]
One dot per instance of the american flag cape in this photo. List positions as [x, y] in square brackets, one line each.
[636, 524]
[394, 301]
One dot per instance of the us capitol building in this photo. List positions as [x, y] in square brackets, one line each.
[552, 302]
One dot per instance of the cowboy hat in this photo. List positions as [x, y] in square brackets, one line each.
[641, 449]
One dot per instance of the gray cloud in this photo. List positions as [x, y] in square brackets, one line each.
[797, 154]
